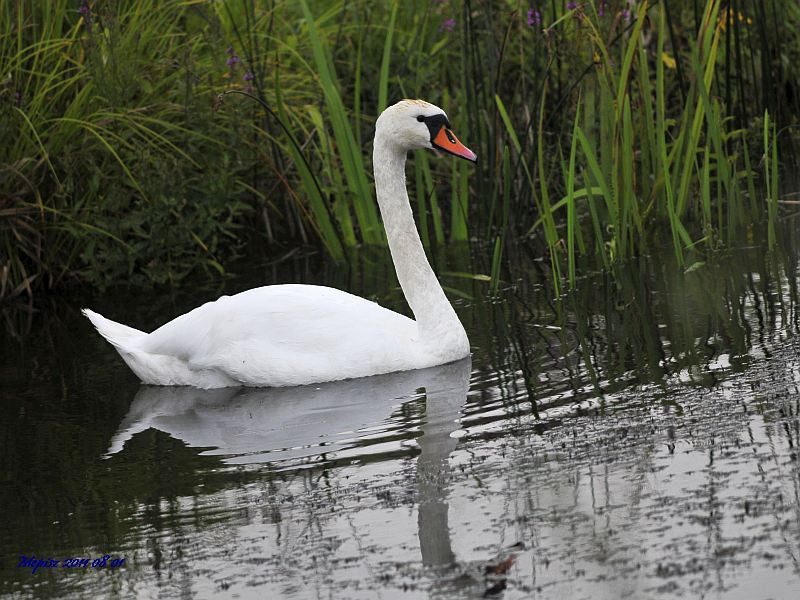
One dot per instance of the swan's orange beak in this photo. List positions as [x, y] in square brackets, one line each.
[447, 141]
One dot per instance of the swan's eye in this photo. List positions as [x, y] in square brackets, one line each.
[420, 118]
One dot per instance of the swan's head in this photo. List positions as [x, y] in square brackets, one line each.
[412, 124]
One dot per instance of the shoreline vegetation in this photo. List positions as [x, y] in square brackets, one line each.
[605, 129]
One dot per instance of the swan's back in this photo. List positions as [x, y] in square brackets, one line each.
[276, 335]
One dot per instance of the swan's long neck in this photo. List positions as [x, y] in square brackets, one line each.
[436, 319]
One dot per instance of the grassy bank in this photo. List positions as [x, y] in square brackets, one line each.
[605, 128]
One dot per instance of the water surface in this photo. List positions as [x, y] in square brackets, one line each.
[636, 439]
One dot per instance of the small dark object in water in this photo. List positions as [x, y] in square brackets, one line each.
[502, 567]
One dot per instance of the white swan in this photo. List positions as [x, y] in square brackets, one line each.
[283, 335]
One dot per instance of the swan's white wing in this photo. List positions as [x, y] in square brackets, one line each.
[287, 334]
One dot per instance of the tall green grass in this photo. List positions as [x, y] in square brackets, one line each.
[640, 172]
[602, 132]
[99, 111]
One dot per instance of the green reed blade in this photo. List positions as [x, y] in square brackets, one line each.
[352, 162]
[383, 78]
[571, 216]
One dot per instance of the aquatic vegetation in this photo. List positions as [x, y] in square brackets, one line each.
[115, 166]
[644, 148]
[606, 129]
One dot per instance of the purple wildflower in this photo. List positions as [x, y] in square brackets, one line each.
[232, 61]
[86, 13]
[630, 11]
[248, 76]
[230, 51]
[601, 8]
[448, 25]
[534, 17]
[575, 6]
[18, 98]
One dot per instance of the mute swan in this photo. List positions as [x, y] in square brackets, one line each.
[285, 335]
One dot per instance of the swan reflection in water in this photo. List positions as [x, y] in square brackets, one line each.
[257, 425]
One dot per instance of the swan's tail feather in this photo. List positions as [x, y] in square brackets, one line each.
[128, 343]
[150, 368]
[124, 338]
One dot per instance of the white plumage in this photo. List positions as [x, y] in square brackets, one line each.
[284, 335]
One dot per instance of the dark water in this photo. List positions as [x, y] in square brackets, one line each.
[638, 439]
